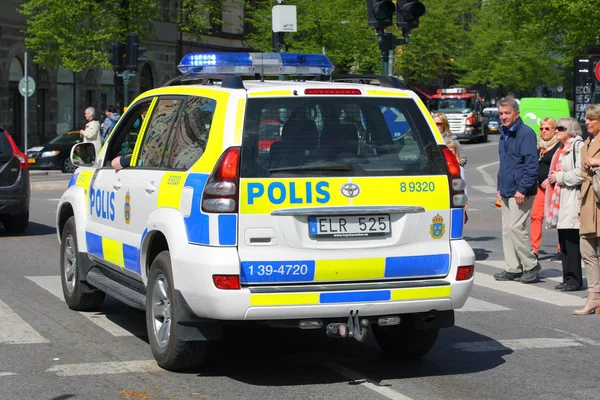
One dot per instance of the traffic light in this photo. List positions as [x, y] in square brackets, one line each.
[117, 54]
[408, 13]
[380, 13]
[134, 52]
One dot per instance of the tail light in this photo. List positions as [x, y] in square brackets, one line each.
[226, 281]
[464, 273]
[458, 198]
[221, 191]
[23, 164]
[470, 120]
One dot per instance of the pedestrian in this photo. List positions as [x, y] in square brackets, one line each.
[112, 116]
[517, 186]
[590, 212]
[562, 200]
[547, 145]
[91, 133]
[441, 121]
[453, 146]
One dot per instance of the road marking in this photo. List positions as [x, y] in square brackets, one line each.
[52, 284]
[487, 177]
[365, 382]
[7, 373]
[485, 189]
[13, 330]
[579, 338]
[105, 368]
[515, 344]
[529, 291]
[474, 305]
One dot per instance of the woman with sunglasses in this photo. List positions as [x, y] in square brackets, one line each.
[441, 121]
[590, 213]
[547, 145]
[562, 200]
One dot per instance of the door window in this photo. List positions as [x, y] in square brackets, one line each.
[191, 132]
[127, 131]
[158, 132]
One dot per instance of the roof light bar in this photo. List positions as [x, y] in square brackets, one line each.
[198, 64]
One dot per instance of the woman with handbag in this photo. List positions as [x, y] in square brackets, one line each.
[562, 200]
[590, 212]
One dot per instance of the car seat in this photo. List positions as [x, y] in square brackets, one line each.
[297, 137]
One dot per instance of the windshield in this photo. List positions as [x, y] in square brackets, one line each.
[452, 105]
[65, 138]
[324, 136]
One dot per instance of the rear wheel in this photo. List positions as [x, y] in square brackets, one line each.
[16, 223]
[404, 341]
[78, 295]
[170, 352]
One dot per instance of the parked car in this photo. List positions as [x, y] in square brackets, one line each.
[54, 154]
[14, 185]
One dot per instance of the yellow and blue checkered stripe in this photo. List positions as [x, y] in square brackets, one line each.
[117, 253]
[358, 296]
[302, 271]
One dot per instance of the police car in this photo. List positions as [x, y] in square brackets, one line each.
[351, 218]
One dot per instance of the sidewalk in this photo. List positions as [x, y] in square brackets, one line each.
[48, 180]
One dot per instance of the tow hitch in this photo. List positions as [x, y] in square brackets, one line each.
[355, 328]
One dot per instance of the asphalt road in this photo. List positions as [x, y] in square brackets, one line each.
[510, 341]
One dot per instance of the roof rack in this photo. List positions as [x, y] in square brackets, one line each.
[384, 81]
[227, 81]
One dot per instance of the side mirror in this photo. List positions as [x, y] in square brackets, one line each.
[83, 154]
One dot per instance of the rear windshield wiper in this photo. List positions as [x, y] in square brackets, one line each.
[333, 167]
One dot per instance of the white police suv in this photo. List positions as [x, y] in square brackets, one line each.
[305, 203]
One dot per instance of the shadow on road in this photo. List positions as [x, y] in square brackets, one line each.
[33, 229]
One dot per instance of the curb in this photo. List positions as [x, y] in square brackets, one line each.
[49, 185]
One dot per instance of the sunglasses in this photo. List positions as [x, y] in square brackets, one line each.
[545, 128]
[561, 128]
[439, 123]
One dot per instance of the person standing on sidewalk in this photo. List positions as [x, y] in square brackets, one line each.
[517, 186]
[547, 145]
[91, 133]
[590, 212]
[441, 121]
[562, 201]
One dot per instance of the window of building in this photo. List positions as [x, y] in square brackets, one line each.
[191, 132]
[158, 132]
[65, 93]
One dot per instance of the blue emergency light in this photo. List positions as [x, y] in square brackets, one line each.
[198, 64]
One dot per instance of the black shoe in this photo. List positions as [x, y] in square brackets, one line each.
[559, 286]
[531, 275]
[536, 255]
[570, 288]
[508, 276]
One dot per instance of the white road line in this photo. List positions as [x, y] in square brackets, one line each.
[485, 189]
[487, 177]
[105, 368]
[367, 383]
[13, 330]
[579, 338]
[52, 284]
[529, 291]
[7, 373]
[475, 305]
[515, 344]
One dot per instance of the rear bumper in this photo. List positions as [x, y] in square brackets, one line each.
[193, 278]
[15, 199]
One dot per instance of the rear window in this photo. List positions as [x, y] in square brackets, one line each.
[327, 136]
[5, 147]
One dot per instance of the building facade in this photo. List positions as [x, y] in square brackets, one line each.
[61, 96]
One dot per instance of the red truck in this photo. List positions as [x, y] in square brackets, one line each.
[463, 107]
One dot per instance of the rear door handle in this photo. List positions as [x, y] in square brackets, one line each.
[150, 188]
[117, 185]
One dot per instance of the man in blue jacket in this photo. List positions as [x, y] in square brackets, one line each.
[517, 187]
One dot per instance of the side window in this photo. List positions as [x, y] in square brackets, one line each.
[191, 132]
[123, 141]
[157, 133]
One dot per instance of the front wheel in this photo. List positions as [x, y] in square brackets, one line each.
[170, 352]
[404, 341]
[67, 166]
[78, 295]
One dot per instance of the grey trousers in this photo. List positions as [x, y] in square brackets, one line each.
[589, 246]
[516, 244]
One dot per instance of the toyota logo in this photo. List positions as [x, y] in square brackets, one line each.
[350, 190]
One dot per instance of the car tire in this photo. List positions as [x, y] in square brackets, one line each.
[405, 341]
[170, 352]
[67, 166]
[78, 295]
[16, 224]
